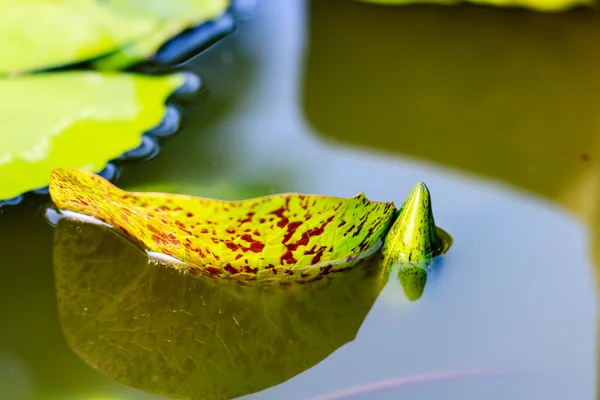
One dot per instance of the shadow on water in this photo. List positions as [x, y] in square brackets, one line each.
[508, 94]
[146, 324]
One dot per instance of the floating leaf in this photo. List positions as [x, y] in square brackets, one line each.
[262, 237]
[539, 5]
[40, 34]
[275, 239]
[74, 119]
[143, 323]
[172, 18]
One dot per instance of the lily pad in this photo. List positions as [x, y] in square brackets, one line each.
[143, 323]
[538, 5]
[41, 34]
[281, 238]
[74, 119]
[246, 239]
[172, 18]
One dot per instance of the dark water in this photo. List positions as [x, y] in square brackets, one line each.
[494, 110]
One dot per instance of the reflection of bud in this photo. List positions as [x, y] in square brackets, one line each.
[414, 236]
[413, 280]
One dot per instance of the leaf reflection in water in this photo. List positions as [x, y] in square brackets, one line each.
[148, 325]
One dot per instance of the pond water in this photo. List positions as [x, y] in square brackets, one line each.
[493, 109]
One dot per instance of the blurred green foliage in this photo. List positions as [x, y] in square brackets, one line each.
[42, 34]
[79, 119]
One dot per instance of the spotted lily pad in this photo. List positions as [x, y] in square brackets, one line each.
[281, 237]
[41, 34]
[120, 309]
[73, 119]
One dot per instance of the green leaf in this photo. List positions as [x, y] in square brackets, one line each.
[40, 34]
[274, 238]
[143, 323]
[171, 17]
[539, 5]
[73, 119]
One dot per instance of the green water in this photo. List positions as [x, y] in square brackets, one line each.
[494, 109]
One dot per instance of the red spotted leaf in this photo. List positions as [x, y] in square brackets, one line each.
[288, 234]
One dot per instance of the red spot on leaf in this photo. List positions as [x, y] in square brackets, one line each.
[247, 238]
[213, 270]
[256, 247]
[272, 268]
[283, 220]
[247, 219]
[319, 254]
[288, 258]
[232, 246]
[182, 226]
[321, 229]
[288, 255]
[250, 270]
[200, 253]
[326, 270]
[291, 229]
[359, 229]
[229, 268]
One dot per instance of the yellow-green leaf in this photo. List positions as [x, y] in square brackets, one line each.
[143, 323]
[40, 34]
[539, 5]
[73, 119]
[172, 18]
[303, 236]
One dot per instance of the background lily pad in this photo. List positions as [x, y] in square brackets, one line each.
[539, 5]
[77, 119]
[171, 18]
[41, 34]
